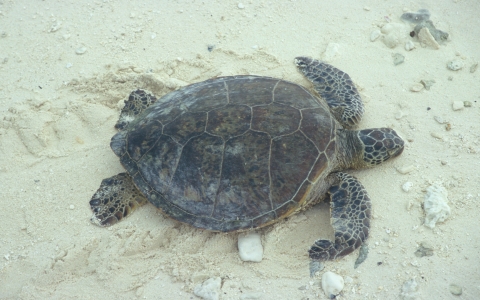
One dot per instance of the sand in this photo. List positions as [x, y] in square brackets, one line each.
[66, 67]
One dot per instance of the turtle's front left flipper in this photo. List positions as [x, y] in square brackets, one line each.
[137, 102]
[116, 198]
[336, 87]
[350, 210]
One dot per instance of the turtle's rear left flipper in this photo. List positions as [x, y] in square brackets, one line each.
[350, 210]
[336, 87]
[116, 198]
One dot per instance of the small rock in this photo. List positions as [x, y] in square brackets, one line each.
[473, 68]
[209, 289]
[241, 6]
[424, 249]
[72, 206]
[81, 50]
[394, 34]
[407, 186]
[437, 135]
[438, 35]
[420, 16]
[405, 169]
[398, 59]
[409, 45]
[366, 8]
[467, 103]
[409, 290]
[55, 26]
[417, 87]
[375, 35]
[210, 47]
[427, 83]
[455, 289]
[426, 38]
[331, 51]
[455, 65]
[439, 120]
[250, 247]
[435, 205]
[332, 284]
[458, 105]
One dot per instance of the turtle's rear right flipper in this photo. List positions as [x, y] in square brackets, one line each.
[116, 198]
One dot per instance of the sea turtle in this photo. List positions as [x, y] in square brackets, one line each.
[242, 152]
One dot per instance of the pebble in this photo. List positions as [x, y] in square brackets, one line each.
[209, 289]
[455, 289]
[417, 87]
[420, 16]
[438, 35]
[426, 38]
[398, 59]
[405, 169]
[241, 6]
[375, 35]
[437, 135]
[331, 51]
[68, 65]
[473, 67]
[55, 26]
[250, 247]
[467, 103]
[332, 284]
[409, 290]
[455, 65]
[407, 186]
[435, 205]
[427, 83]
[409, 45]
[72, 206]
[394, 34]
[81, 50]
[458, 105]
[424, 249]
[398, 115]
[439, 120]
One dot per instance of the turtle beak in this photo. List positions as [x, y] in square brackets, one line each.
[396, 151]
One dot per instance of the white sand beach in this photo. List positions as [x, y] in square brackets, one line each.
[66, 68]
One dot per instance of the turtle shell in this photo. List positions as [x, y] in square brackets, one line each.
[231, 153]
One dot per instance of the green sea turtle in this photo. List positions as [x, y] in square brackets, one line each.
[242, 152]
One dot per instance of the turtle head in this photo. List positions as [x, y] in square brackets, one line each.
[378, 145]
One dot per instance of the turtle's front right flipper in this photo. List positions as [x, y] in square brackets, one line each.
[336, 87]
[350, 211]
[116, 198]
